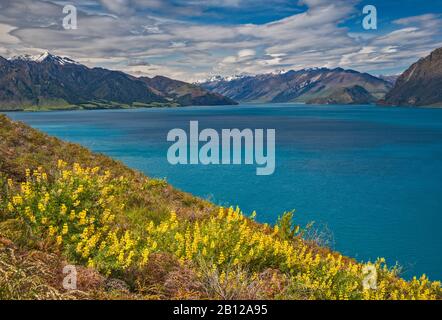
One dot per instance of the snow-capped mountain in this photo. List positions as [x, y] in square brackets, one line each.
[313, 85]
[44, 57]
[51, 81]
[218, 78]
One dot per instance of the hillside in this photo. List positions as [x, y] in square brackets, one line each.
[419, 85]
[185, 94]
[131, 237]
[48, 82]
[312, 86]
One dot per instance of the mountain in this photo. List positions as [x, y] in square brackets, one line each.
[390, 78]
[319, 85]
[420, 85]
[48, 81]
[185, 93]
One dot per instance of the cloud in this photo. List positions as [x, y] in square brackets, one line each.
[416, 37]
[157, 36]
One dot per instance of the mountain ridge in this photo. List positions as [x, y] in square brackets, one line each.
[49, 81]
[184, 93]
[311, 86]
[420, 84]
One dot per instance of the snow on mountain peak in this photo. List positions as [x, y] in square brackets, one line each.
[46, 56]
[219, 78]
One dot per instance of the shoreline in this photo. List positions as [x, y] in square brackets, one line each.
[58, 109]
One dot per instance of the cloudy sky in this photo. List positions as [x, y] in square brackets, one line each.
[195, 39]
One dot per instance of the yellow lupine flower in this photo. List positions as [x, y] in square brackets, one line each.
[90, 263]
[52, 230]
[144, 257]
[221, 258]
[17, 200]
[41, 207]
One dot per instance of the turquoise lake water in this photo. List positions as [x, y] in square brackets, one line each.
[370, 177]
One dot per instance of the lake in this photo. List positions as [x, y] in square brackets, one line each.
[369, 177]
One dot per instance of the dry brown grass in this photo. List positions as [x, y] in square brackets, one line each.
[30, 275]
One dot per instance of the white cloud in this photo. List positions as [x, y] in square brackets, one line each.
[246, 53]
[191, 50]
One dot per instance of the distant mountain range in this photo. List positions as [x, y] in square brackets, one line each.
[311, 86]
[49, 81]
[420, 85]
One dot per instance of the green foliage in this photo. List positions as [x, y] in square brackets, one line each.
[287, 228]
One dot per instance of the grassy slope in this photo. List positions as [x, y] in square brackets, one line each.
[200, 254]
[59, 104]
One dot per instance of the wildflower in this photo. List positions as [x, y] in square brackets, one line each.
[275, 230]
[61, 164]
[144, 257]
[65, 229]
[221, 258]
[41, 207]
[222, 277]
[17, 200]
[221, 213]
[102, 246]
[82, 217]
[52, 231]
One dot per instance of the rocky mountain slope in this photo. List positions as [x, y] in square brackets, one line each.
[48, 81]
[420, 85]
[320, 85]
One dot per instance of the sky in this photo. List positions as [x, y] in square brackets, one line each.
[192, 40]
